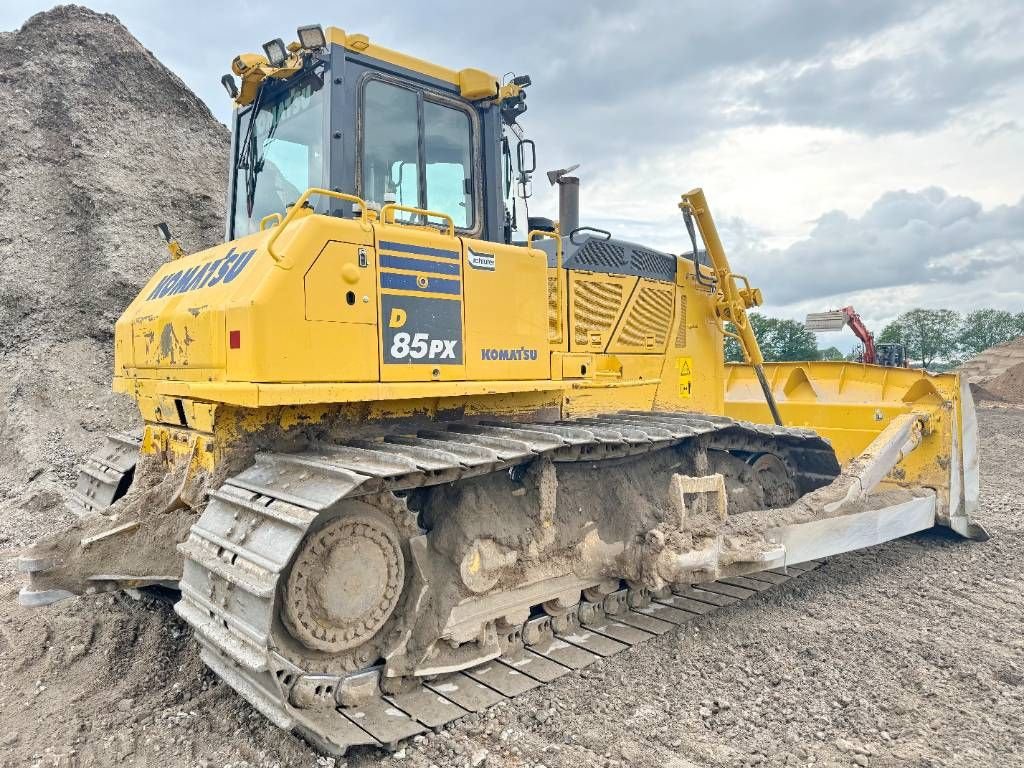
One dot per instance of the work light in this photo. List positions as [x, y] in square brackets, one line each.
[276, 52]
[229, 85]
[312, 36]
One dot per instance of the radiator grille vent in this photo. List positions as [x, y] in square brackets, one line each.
[554, 321]
[596, 306]
[651, 263]
[681, 332]
[649, 319]
[599, 253]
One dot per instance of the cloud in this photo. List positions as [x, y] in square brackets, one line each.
[916, 92]
[904, 238]
[780, 110]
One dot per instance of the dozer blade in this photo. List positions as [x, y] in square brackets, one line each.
[855, 405]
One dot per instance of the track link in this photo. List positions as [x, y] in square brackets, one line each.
[238, 553]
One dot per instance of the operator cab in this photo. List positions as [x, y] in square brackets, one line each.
[337, 112]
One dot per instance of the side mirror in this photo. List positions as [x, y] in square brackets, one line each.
[526, 151]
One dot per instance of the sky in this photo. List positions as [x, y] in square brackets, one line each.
[866, 153]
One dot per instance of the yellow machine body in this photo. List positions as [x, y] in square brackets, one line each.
[293, 326]
[234, 334]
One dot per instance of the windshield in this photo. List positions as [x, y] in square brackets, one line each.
[280, 153]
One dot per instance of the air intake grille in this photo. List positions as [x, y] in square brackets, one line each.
[596, 306]
[648, 319]
[651, 263]
[681, 332]
[599, 253]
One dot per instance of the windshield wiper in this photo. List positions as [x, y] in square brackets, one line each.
[247, 155]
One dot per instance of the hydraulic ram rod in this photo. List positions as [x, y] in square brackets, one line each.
[732, 301]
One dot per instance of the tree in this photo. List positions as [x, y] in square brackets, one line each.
[789, 340]
[892, 333]
[984, 328]
[779, 340]
[831, 353]
[733, 352]
[929, 335]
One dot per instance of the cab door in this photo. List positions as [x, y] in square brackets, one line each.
[420, 161]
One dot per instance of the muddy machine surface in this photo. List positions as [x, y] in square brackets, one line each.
[407, 451]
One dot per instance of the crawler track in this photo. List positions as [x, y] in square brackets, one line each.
[240, 550]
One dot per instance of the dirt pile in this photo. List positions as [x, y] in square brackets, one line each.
[100, 141]
[998, 372]
[1007, 387]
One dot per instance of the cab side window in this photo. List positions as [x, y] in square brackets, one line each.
[391, 156]
[417, 152]
[449, 162]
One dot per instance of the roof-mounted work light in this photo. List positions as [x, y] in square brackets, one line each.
[312, 37]
[229, 85]
[277, 52]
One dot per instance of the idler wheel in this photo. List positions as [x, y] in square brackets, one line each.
[345, 583]
[777, 485]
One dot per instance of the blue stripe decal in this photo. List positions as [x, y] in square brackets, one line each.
[400, 262]
[408, 283]
[421, 249]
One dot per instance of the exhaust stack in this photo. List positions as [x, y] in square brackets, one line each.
[568, 198]
[568, 204]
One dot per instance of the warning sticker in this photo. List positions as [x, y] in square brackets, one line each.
[685, 368]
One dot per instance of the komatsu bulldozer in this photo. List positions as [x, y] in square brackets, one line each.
[407, 451]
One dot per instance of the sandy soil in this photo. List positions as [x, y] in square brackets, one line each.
[98, 142]
[906, 654]
[1006, 387]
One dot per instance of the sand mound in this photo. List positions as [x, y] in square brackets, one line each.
[998, 372]
[100, 141]
[1007, 387]
[994, 361]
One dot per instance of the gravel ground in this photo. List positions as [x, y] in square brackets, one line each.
[906, 654]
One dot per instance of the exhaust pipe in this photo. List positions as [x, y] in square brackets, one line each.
[568, 199]
[568, 204]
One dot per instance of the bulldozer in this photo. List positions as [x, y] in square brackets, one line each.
[407, 451]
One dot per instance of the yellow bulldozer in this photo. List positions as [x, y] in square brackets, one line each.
[407, 451]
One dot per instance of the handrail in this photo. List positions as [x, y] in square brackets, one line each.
[298, 206]
[556, 236]
[391, 207]
[268, 217]
[559, 276]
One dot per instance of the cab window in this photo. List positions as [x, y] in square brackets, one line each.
[416, 152]
[448, 162]
[280, 153]
[391, 157]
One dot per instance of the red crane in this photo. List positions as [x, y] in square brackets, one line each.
[891, 355]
